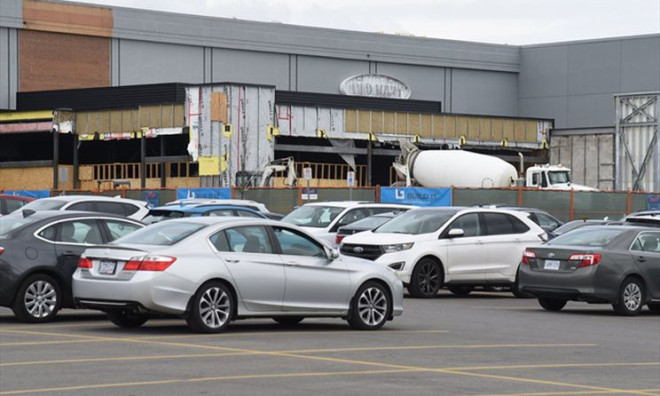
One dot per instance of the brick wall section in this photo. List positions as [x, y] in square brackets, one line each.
[50, 61]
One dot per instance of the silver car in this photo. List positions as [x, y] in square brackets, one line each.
[212, 272]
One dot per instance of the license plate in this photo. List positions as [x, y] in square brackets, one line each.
[551, 265]
[107, 267]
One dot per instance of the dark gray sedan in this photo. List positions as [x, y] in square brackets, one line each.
[618, 265]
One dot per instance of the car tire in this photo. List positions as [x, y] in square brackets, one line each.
[371, 307]
[212, 308]
[288, 321]
[631, 297]
[38, 300]
[127, 319]
[426, 279]
[552, 304]
[654, 307]
[460, 290]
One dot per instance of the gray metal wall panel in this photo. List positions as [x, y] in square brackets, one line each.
[482, 92]
[590, 157]
[144, 63]
[590, 110]
[594, 68]
[640, 65]
[11, 13]
[324, 75]
[426, 83]
[554, 107]
[545, 73]
[251, 67]
[5, 62]
[289, 39]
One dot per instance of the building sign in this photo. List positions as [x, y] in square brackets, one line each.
[375, 85]
[416, 196]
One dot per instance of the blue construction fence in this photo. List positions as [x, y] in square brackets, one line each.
[565, 205]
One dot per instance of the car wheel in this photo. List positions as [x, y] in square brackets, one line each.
[371, 307]
[630, 298]
[460, 290]
[212, 308]
[552, 304]
[127, 319]
[426, 279]
[288, 320]
[654, 307]
[38, 300]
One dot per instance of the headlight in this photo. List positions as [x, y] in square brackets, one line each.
[397, 247]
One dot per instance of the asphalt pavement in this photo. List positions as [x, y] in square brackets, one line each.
[482, 344]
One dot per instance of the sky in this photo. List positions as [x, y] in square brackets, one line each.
[515, 22]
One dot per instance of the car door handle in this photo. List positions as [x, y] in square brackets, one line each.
[293, 264]
[69, 253]
[232, 260]
[641, 258]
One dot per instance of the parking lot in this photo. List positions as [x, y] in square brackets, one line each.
[482, 344]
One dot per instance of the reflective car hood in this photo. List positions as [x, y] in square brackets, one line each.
[371, 238]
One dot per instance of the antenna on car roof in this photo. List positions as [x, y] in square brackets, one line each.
[28, 212]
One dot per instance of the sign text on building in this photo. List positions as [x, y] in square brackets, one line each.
[375, 85]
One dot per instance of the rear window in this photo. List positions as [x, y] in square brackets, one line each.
[166, 233]
[588, 236]
[8, 224]
[45, 204]
[155, 216]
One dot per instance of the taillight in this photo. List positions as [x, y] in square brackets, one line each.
[84, 262]
[339, 238]
[585, 259]
[149, 263]
[2, 250]
[528, 254]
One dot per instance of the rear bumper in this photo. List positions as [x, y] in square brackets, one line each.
[585, 284]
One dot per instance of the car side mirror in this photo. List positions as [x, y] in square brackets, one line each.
[455, 233]
[331, 253]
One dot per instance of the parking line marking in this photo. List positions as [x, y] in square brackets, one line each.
[202, 379]
[330, 350]
[368, 363]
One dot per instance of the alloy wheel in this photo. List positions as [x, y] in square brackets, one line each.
[40, 299]
[214, 307]
[632, 296]
[372, 306]
[428, 278]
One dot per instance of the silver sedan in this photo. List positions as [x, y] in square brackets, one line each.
[212, 272]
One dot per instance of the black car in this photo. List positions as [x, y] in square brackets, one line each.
[614, 264]
[366, 224]
[39, 252]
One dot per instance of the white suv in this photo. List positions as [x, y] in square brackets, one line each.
[322, 219]
[456, 247]
[130, 208]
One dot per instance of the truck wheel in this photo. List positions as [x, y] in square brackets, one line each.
[552, 304]
[426, 279]
[38, 299]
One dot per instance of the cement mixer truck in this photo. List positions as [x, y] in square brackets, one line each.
[459, 168]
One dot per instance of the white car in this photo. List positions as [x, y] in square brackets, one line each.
[130, 208]
[450, 246]
[323, 219]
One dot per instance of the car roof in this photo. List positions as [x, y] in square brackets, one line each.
[18, 197]
[74, 198]
[350, 204]
[64, 214]
[202, 208]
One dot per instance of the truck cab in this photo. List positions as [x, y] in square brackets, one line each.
[552, 177]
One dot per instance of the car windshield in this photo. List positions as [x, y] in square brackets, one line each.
[588, 236]
[12, 223]
[313, 215]
[369, 223]
[559, 177]
[155, 216]
[44, 204]
[166, 233]
[416, 222]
